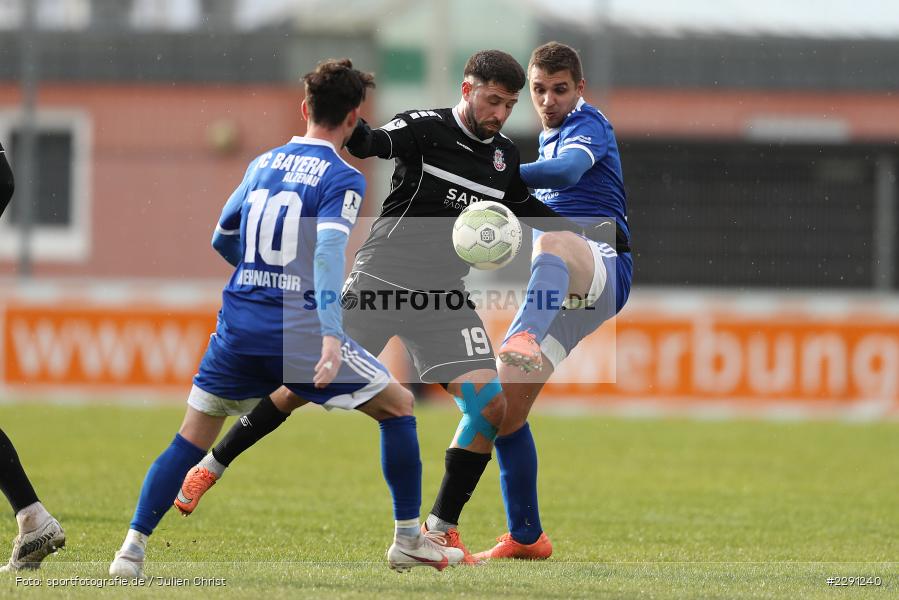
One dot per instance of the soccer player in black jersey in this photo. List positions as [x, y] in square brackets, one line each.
[445, 159]
[39, 533]
[7, 184]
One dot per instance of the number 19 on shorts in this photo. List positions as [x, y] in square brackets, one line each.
[476, 341]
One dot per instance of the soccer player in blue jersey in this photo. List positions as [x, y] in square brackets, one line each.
[444, 158]
[285, 229]
[578, 174]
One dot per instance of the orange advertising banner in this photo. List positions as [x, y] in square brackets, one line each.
[756, 354]
[666, 351]
[147, 346]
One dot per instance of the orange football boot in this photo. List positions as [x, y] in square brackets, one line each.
[522, 350]
[509, 548]
[196, 483]
[453, 540]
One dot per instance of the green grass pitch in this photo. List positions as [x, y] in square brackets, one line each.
[635, 509]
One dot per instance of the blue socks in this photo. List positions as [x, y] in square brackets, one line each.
[546, 292]
[399, 459]
[162, 483]
[517, 457]
[401, 463]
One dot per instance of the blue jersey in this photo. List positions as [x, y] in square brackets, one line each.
[287, 195]
[600, 191]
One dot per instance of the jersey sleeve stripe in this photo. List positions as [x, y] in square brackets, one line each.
[458, 180]
[337, 226]
[223, 231]
[579, 147]
[389, 139]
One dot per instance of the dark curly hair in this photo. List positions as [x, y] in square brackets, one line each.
[496, 66]
[335, 88]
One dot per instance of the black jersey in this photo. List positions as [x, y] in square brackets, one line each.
[6, 181]
[440, 169]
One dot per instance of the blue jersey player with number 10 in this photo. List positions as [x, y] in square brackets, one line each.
[285, 230]
[578, 174]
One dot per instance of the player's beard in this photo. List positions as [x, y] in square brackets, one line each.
[482, 132]
[478, 128]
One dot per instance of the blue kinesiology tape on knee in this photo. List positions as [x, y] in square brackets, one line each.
[471, 404]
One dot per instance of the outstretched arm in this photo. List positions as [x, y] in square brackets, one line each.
[563, 171]
[393, 140]
[538, 215]
[366, 142]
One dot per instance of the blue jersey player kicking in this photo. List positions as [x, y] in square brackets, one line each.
[578, 174]
[285, 230]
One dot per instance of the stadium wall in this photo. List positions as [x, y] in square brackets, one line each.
[777, 115]
[158, 162]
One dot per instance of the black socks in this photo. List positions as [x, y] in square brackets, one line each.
[463, 471]
[248, 430]
[13, 480]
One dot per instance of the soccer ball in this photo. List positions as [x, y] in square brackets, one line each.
[487, 235]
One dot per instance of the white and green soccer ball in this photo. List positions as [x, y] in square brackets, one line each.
[487, 235]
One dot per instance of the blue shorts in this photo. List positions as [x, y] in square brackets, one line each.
[230, 383]
[573, 325]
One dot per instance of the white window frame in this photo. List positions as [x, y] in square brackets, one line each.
[70, 243]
